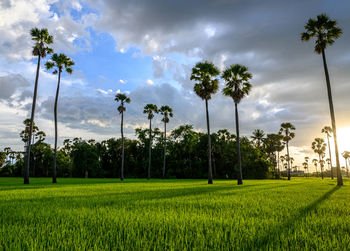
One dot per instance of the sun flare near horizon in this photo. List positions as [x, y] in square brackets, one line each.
[343, 137]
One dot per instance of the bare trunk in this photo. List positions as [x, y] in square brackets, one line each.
[55, 115]
[27, 158]
[149, 150]
[334, 128]
[278, 164]
[288, 161]
[164, 150]
[210, 171]
[321, 165]
[122, 133]
[330, 157]
[240, 176]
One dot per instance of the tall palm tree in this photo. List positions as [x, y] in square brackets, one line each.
[150, 109]
[319, 148]
[122, 98]
[60, 62]
[346, 156]
[42, 39]
[328, 131]
[167, 112]
[205, 74]
[257, 137]
[237, 86]
[288, 134]
[325, 31]
[315, 162]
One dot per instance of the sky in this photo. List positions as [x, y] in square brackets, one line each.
[147, 50]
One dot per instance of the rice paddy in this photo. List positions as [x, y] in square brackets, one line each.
[95, 214]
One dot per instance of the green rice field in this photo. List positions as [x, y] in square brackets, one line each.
[107, 214]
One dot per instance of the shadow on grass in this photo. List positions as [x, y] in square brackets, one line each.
[292, 221]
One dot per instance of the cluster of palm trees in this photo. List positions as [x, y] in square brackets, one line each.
[59, 62]
[206, 76]
[149, 109]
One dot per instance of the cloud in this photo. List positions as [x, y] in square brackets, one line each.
[149, 82]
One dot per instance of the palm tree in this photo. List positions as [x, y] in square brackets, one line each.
[59, 62]
[346, 156]
[326, 31]
[167, 112]
[237, 87]
[204, 73]
[319, 148]
[122, 98]
[42, 39]
[306, 166]
[257, 137]
[288, 134]
[328, 131]
[150, 109]
[307, 162]
[315, 161]
[329, 163]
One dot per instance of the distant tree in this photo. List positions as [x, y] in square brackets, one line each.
[306, 166]
[319, 148]
[167, 112]
[150, 110]
[328, 131]
[258, 136]
[273, 144]
[307, 163]
[206, 83]
[325, 31]
[288, 134]
[122, 98]
[60, 62]
[237, 86]
[315, 162]
[346, 156]
[42, 39]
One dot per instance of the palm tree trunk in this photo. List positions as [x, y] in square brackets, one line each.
[288, 161]
[240, 176]
[330, 157]
[321, 165]
[164, 150]
[122, 133]
[210, 170]
[55, 115]
[334, 128]
[149, 151]
[278, 164]
[27, 158]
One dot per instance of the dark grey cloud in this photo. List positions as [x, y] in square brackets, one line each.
[9, 84]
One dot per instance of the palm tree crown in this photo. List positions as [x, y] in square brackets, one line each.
[150, 109]
[237, 82]
[60, 61]
[324, 29]
[42, 38]
[167, 112]
[258, 136]
[122, 98]
[327, 130]
[319, 146]
[204, 73]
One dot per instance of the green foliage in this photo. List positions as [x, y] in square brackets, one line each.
[42, 39]
[236, 78]
[106, 214]
[122, 98]
[204, 73]
[323, 29]
[60, 61]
